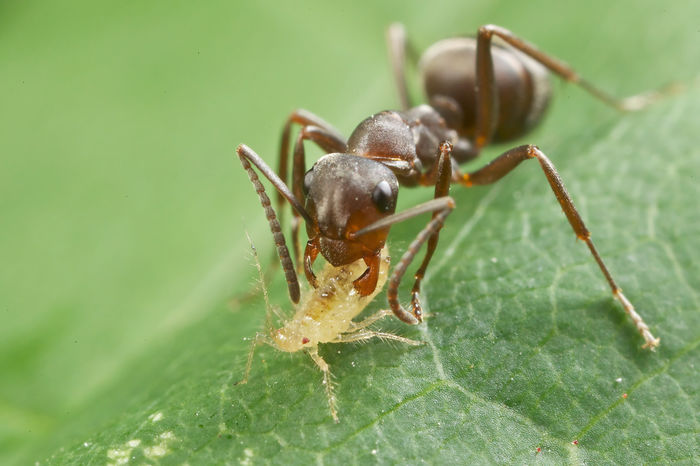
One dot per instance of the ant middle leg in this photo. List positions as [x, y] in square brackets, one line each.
[505, 163]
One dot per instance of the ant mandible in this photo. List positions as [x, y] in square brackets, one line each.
[479, 91]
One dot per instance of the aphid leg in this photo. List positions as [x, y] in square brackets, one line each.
[270, 309]
[487, 99]
[369, 320]
[246, 154]
[443, 169]
[362, 335]
[313, 352]
[259, 339]
[329, 141]
[506, 162]
[398, 46]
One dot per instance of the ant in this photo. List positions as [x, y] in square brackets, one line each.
[480, 91]
[490, 88]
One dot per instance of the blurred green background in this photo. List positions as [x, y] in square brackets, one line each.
[123, 210]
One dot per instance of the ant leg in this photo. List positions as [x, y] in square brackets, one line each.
[313, 352]
[363, 335]
[416, 314]
[506, 162]
[443, 206]
[442, 189]
[486, 98]
[335, 142]
[397, 47]
[247, 155]
[310, 254]
[329, 142]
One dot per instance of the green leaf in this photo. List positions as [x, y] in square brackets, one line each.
[122, 242]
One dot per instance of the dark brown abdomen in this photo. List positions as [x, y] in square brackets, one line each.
[449, 73]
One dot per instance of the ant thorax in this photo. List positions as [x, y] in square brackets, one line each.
[326, 312]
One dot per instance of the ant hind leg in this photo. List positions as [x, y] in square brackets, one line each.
[505, 163]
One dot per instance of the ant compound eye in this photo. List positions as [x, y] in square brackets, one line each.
[308, 178]
[383, 197]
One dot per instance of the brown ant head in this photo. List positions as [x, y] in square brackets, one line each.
[345, 193]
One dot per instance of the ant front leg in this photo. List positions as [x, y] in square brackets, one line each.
[487, 104]
[505, 163]
[329, 141]
[442, 206]
[443, 169]
[324, 135]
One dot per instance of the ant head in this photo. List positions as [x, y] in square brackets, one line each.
[345, 193]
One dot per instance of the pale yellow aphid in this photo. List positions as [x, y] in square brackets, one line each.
[324, 315]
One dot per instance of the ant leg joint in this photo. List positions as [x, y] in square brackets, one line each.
[487, 30]
[534, 152]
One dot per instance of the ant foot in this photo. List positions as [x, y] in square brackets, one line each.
[416, 307]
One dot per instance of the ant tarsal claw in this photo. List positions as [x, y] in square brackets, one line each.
[416, 307]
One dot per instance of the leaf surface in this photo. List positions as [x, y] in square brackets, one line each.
[124, 216]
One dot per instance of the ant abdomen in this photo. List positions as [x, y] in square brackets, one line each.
[449, 79]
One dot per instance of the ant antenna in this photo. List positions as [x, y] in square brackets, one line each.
[245, 154]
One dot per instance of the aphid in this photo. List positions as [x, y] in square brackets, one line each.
[324, 315]
[479, 91]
